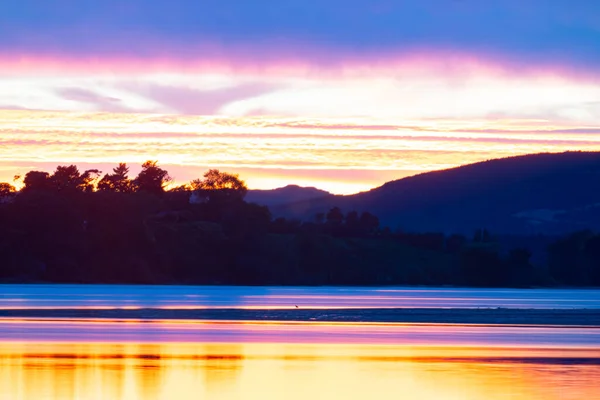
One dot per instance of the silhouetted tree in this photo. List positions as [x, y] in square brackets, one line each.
[105, 236]
[118, 181]
[6, 189]
[482, 267]
[592, 252]
[220, 186]
[519, 257]
[335, 216]
[181, 188]
[520, 271]
[36, 181]
[152, 178]
[566, 260]
[66, 178]
[482, 236]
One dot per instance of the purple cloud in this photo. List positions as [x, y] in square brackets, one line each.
[100, 102]
[186, 100]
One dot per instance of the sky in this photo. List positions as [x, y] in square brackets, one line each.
[341, 95]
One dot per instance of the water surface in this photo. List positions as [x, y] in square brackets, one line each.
[97, 359]
[297, 372]
[132, 331]
[130, 296]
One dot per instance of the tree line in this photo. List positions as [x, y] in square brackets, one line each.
[85, 227]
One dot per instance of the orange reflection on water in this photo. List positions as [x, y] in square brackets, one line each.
[283, 371]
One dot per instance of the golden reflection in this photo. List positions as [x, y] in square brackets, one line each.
[278, 371]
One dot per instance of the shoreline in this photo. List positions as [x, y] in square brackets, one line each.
[479, 316]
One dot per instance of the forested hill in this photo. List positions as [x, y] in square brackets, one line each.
[284, 195]
[89, 227]
[539, 193]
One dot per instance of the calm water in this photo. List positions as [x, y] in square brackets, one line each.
[66, 359]
[266, 361]
[72, 296]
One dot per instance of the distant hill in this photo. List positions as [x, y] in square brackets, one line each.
[538, 193]
[283, 195]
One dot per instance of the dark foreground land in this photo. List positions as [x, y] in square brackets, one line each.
[483, 225]
[570, 317]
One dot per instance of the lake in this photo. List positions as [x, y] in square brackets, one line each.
[123, 296]
[130, 361]
[85, 359]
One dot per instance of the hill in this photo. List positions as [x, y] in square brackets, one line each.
[62, 227]
[550, 193]
[284, 195]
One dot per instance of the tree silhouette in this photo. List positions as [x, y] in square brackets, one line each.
[566, 262]
[335, 216]
[152, 178]
[482, 267]
[69, 179]
[220, 186]
[6, 189]
[482, 236]
[592, 252]
[118, 181]
[36, 181]
[180, 189]
[53, 230]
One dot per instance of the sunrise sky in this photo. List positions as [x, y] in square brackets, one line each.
[338, 94]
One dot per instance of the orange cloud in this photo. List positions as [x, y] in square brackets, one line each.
[333, 154]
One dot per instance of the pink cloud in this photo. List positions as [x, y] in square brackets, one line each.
[297, 61]
[186, 100]
[101, 103]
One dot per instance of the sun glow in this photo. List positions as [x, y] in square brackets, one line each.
[337, 154]
[345, 127]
